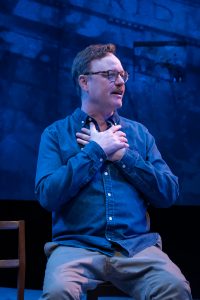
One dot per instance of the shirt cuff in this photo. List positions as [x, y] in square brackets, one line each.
[95, 152]
[128, 161]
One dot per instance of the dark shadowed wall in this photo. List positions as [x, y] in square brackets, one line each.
[158, 43]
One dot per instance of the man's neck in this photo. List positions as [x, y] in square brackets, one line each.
[100, 117]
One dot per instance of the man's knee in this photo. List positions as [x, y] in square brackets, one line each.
[60, 290]
[181, 287]
[171, 286]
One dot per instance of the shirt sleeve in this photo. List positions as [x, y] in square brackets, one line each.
[57, 182]
[150, 174]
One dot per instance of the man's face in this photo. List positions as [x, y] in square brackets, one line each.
[104, 94]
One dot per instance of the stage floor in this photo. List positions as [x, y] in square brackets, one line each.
[10, 294]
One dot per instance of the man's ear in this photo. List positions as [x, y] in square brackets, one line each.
[83, 82]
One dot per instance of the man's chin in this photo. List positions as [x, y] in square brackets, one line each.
[118, 103]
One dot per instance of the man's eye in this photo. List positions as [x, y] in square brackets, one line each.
[105, 74]
[111, 74]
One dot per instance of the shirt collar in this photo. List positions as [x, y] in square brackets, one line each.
[83, 118]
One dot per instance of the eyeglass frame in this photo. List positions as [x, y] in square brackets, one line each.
[106, 74]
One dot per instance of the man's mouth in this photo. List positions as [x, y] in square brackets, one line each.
[120, 93]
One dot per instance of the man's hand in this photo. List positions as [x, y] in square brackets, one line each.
[112, 141]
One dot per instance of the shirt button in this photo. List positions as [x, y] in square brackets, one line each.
[109, 194]
[109, 239]
[90, 119]
[82, 149]
[110, 218]
[123, 166]
[101, 159]
[106, 173]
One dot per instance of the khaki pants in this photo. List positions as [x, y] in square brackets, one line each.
[150, 274]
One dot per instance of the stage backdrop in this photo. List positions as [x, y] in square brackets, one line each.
[158, 45]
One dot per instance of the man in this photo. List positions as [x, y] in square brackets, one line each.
[97, 173]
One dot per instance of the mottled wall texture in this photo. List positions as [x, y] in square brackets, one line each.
[158, 42]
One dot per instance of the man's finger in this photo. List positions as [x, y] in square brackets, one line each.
[82, 142]
[85, 130]
[92, 127]
[115, 128]
[83, 136]
[120, 133]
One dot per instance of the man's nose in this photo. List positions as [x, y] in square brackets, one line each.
[119, 80]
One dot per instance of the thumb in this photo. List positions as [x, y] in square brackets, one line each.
[92, 127]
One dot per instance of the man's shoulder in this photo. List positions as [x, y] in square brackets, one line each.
[60, 123]
[135, 124]
[58, 126]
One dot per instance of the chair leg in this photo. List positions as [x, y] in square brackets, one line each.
[21, 270]
[20, 285]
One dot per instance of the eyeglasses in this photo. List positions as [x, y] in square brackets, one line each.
[111, 75]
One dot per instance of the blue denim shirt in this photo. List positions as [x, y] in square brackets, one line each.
[97, 204]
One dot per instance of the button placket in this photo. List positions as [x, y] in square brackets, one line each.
[109, 203]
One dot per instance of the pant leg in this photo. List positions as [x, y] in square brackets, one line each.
[70, 272]
[150, 274]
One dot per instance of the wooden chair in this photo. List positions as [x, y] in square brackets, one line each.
[105, 290]
[19, 262]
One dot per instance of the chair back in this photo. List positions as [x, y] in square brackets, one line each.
[19, 261]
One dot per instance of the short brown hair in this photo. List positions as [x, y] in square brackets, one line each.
[81, 63]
